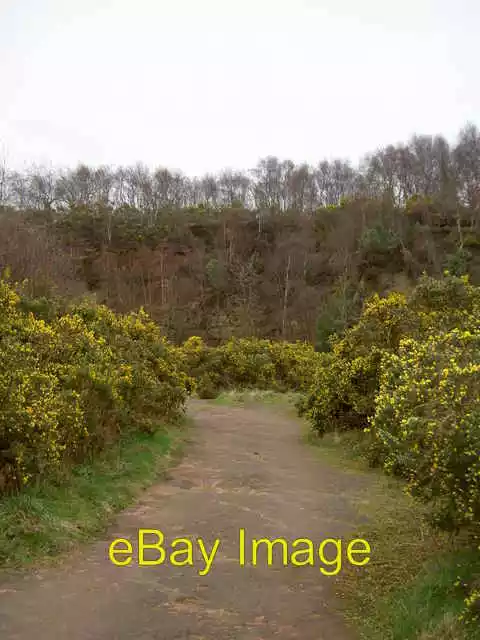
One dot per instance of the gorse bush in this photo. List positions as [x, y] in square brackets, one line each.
[74, 384]
[244, 363]
[343, 394]
[426, 425]
[409, 374]
[199, 362]
[154, 383]
[266, 364]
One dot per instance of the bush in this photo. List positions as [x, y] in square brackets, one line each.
[73, 385]
[457, 263]
[343, 392]
[379, 239]
[343, 395]
[445, 303]
[199, 363]
[338, 312]
[426, 426]
[247, 363]
[207, 389]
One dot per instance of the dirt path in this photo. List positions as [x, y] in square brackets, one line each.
[245, 469]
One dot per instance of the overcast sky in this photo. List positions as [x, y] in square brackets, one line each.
[200, 85]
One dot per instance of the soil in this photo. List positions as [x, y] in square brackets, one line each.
[247, 467]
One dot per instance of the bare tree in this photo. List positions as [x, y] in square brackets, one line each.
[467, 165]
[4, 183]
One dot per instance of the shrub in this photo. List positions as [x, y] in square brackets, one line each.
[343, 392]
[426, 425]
[74, 384]
[379, 239]
[207, 388]
[198, 361]
[445, 303]
[457, 263]
[338, 312]
[295, 364]
[343, 396]
[249, 363]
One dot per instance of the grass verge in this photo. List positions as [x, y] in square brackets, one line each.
[418, 577]
[44, 521]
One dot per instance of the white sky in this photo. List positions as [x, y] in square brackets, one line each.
[200, 85]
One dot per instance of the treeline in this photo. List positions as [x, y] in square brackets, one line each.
[256, 259]
[426, 166]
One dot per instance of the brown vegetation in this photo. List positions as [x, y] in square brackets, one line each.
[273, 252]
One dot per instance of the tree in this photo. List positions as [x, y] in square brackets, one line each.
[467, 165]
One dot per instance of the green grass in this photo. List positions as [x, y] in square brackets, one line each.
[43, 522]
[432, 602]
[408, 590]
[252, 396]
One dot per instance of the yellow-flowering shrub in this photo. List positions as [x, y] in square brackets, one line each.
[249, 363]
[154, 383]
[343, 394]
[198, 362]
[36, 419]
[295, 364]
[426, 425]
[70, 386]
